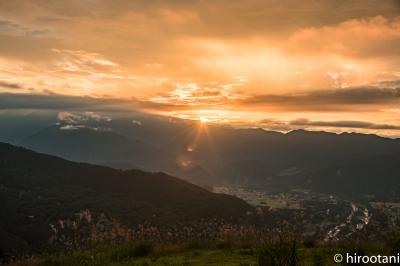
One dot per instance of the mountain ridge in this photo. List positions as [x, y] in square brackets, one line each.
[37, 190]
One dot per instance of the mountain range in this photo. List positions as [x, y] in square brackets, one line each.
[209, 155]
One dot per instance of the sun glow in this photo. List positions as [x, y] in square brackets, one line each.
[203, 119]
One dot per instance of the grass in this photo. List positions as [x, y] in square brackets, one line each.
[138, 255]
[385, 205]
[274, 252]
[202, 257]
[178, 256]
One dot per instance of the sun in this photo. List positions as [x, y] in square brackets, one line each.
[203, 119]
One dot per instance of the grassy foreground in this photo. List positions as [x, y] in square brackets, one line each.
[211, 257]
[281, 253]
[142, 254]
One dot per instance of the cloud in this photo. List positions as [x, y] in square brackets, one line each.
[371, 37]
[192, 97]
[83, 120]
[342, 124]
[59, 102]
[86, 104]
[82, 62]
[9, 85]
[327, 100]
[12, 28]
[71, 127]
[332, 126]
[136, 122]
[78, 127]
[191, 56]
[274, 124]
[73, 72]
[94, 50]
[70, 118]
[195, 95]
[7, 26]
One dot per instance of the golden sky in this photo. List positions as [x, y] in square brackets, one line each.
[316, 64]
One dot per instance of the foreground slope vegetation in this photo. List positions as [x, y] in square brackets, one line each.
[279, 250]
[46, 200]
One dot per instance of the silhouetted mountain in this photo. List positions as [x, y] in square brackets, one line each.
[37, 190]
[374, 176]
[210, 154]
[274, 156]
[17, 125]
[95, 145]
[102, 145]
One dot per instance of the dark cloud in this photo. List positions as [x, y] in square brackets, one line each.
[51, 101]
[390, 83]
[12, 28]
[9, 85]
[328, 99]
[303, 123]
[274, 124]
[342, 124]
[6, 25]
[75, 103]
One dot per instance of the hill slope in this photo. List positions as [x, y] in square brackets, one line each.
[37, 190]
[110, 148]
[375, 176]
[95, 146]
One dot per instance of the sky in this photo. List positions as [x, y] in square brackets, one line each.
[330, 65]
